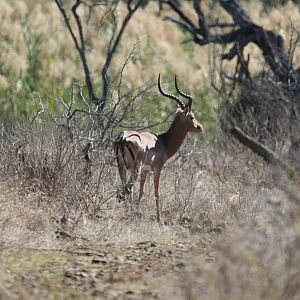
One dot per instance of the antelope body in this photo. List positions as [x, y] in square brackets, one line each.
[141, 152]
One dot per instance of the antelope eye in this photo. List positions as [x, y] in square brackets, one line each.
[192, 117]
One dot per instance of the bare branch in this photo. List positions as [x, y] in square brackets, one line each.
[243, 31]
[180, 13]
[261, 150]
[203, 27]
[79, 46]
[183, 25]
[237, 12]
[111, 116]
[114, 43]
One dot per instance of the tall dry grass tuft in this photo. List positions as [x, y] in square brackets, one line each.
[257, 259]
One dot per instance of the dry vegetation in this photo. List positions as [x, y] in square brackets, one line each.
[28, 27]
[231, 221]
[230, 230]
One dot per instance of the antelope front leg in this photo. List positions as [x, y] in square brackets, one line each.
[156, 190]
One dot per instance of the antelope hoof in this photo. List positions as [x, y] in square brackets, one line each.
[121, 196]
[122, 193]
[159, 220]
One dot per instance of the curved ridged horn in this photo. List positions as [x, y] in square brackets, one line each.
[189, 97]
[179, 102]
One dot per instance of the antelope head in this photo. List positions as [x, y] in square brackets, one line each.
[184, 112]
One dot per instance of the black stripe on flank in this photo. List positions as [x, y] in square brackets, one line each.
[124, 158]
[116, 150]
[131, 152]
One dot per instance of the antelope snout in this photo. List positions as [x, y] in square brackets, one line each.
[199, 128]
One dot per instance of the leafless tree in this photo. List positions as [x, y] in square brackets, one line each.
[80, 42]
[238, 33]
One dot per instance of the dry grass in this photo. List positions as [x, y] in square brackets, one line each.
[23, 22]
[230, 231]
[231, 222]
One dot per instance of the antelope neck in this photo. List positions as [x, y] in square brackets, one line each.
[174, 137]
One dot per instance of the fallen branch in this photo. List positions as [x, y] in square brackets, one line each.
[261, 150]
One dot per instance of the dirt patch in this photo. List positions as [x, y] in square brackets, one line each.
[108, 271]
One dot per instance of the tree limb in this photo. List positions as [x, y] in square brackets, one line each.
[114, 43]
[261, 150]
[80, 46]
[112, 47]
[243, 32]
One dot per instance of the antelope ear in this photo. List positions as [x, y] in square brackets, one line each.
[186, 109]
